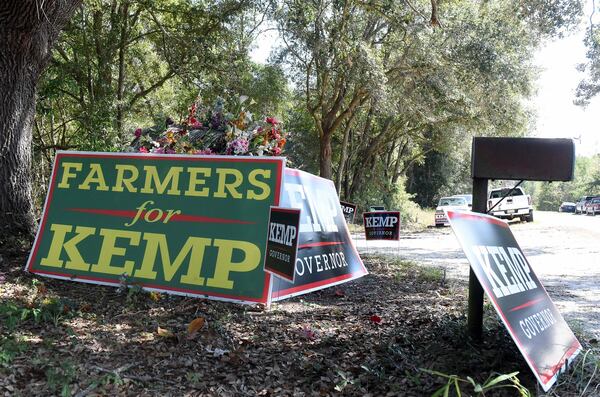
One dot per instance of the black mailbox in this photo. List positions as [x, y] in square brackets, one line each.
[531, 159]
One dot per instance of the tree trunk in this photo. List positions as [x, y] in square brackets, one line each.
[121, 80]
[344, 155]
[325, 154]
[28, 29]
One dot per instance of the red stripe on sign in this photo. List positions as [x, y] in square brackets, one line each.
[321, 244]
[286, 210]
[527, 304]
[473, 217]
[175, 218]
[549, 374]
[38, 237]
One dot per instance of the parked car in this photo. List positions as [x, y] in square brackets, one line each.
[468, 197]
[454, 203]
[593, 206]
[580, 206]
[515, 205]
[567, 206]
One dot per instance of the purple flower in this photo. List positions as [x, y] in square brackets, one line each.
[238, 146]
[138, 133]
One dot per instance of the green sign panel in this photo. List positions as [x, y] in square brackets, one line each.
[183, 224]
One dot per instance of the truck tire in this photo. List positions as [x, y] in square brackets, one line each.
[529, 218]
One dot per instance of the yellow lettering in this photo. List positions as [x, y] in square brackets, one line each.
[95, 176]
[170, 214]
[58, 243]
[109, 250]
[194, 246]
[230, 186]
[195, 181]
[171, 178]
[266, 189]
[64, 182]
[225, 264]
[123, 180]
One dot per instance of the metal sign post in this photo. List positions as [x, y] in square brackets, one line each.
[475, 310]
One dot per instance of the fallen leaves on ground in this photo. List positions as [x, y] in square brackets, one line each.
[323, 343]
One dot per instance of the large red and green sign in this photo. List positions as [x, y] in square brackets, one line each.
[192, 225]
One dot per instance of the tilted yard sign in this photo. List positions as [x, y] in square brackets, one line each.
[183, 224]
[540, 332]
[282, 242]
[326, 253]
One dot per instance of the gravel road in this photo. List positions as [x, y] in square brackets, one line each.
[563, 249]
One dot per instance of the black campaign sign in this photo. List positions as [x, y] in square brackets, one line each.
[282, 242]
[349, 210]
[540, 332]
[382, 225]
[326, 253]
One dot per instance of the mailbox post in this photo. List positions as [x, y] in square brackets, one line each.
[531, 159]
[475, 310]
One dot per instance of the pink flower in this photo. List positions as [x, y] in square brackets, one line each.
[143, 150]
[276, 151]
[204, 151]
[238, 146]
[272, 120]
[138, 133]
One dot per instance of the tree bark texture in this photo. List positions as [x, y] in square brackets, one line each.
[325, 154]
[28, 30]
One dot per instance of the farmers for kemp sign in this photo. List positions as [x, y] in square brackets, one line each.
[536, 326]
[192, 225]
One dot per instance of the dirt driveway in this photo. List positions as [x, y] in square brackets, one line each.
[563, 249]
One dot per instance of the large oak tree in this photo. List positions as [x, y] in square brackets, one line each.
[28, 31]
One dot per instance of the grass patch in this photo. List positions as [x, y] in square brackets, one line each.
[11, 347]
[583, 378]
[421, 273]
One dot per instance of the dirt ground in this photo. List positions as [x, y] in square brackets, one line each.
[373, 336]
[563, 249]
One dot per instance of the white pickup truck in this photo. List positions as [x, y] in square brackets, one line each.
[516, 205]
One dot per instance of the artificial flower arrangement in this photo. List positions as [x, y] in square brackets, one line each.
[214, 130]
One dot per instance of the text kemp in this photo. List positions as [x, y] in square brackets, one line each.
[156, 251]
[380, 221]
[282, 234]
[505, 268]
